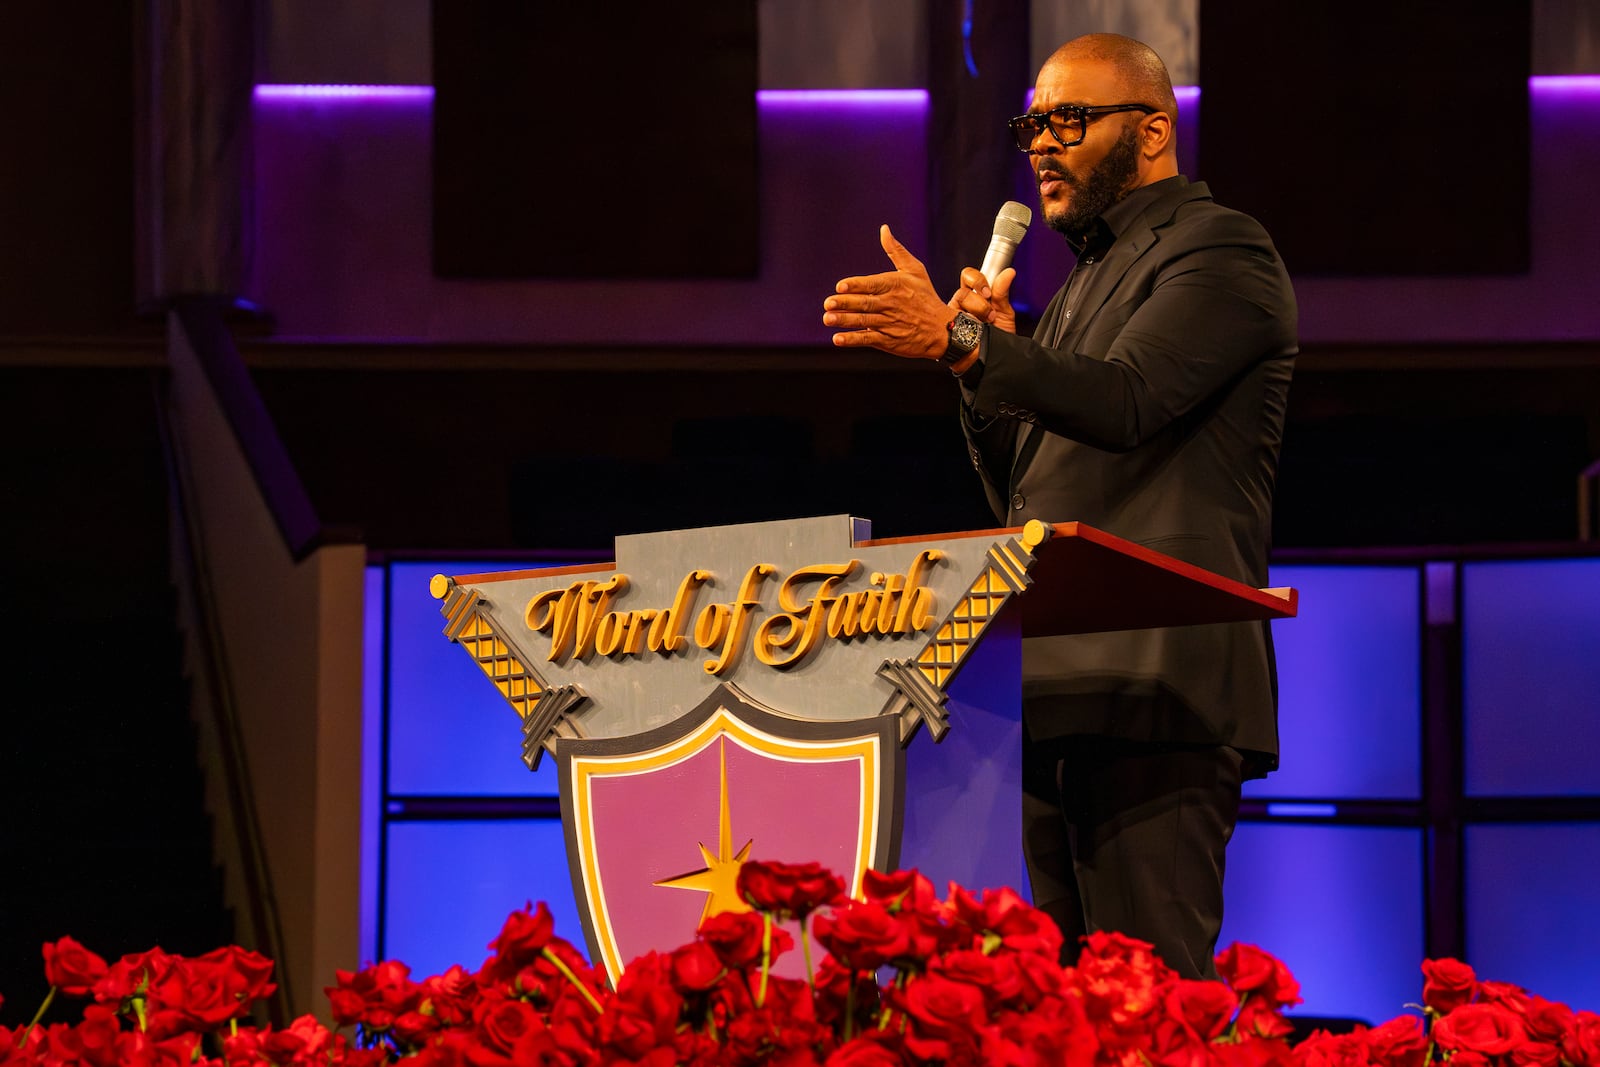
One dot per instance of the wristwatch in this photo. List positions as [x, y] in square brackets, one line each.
[965, 333]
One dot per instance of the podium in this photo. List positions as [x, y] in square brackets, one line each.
[758, 691]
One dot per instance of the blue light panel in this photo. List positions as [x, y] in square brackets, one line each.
[1349, 680]
[452, 884]
[1531, 915]
[450, 730]
[1531, 650]
[1340, 906]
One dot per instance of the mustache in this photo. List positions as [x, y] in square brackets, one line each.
[1049, 168]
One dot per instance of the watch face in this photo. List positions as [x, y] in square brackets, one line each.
[964, 334]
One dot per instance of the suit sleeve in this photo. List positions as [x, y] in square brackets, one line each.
[992, 440]
[1166, 340]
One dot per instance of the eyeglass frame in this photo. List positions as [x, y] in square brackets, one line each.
[1040, 120]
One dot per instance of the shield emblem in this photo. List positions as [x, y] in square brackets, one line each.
[658, 823]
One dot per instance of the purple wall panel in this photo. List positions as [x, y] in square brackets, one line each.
[1555, 301]
[342, 248]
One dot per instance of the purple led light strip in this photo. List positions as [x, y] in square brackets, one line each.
[865, 97]
[1188, 95]
[344, 92]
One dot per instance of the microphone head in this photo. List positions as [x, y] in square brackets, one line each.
[1012, 222]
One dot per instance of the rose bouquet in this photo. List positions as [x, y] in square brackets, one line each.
[905, 978]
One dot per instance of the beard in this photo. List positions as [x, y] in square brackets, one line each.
[1108, 182]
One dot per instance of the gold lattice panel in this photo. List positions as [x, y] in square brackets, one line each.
[964, 625]
[515, 682]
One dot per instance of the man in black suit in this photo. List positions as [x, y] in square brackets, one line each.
[1150, 403]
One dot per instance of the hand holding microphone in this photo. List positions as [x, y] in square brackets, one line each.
[899, 311]
[1010, 225]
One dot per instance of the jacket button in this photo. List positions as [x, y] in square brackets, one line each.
[1017, 501]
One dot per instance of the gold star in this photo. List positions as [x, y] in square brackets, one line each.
[719, 878]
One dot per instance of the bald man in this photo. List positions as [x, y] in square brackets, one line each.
[1149, 402]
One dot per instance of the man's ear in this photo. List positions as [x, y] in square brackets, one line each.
[1155, 134]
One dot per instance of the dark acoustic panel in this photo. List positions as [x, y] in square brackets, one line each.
[67, 191]
[581, 141]
[1372, 138]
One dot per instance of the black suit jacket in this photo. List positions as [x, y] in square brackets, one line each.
[1154, 411]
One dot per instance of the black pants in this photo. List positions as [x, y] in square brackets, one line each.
[1129, 837]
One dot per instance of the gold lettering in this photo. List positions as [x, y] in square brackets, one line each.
[638, 626]
[560, 617]
[842, 616]
[739, 621]
[805, 619]
[892, 585]
[916, 603]
[594, 606]
[609, 632]
[712, 624]
[666, 631]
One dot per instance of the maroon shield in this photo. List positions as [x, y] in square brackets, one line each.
[658, 823]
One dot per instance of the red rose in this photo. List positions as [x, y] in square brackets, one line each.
[1120, 979]
[1172, 1043]
[998, 976]
[909, 897]
[1003, 918]
[1323, 1049]
[1056, 1031]
[520, 941]
[98, 1035]
[130, 975]
[72, 968]
[1262, 1019]
[1581, 1044]
[448, 997]
[1039, 978]
[873, 1049]
[1512, 996]
[769, 1037]
[247, 975]
[833, 982]
[373, 997]
[788, 890]
[1447, 984]
[1205, 1008]
[1536, 1054]
[695, 967]
[900, 890]
[198, 994]
[644, 1012]
[1254, 973]
[306, 1041]
[1492, 1029]
[862, 935]
[735, 936]
[943, 1015]
[501, 1024]
[1253, 1052]
[1400, 1042]
[1546, 1020]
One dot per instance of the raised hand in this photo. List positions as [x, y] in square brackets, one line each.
[898, 311]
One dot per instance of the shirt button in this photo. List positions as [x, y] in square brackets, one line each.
[1017, 501]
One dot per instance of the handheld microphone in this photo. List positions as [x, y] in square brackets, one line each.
[1009, 227]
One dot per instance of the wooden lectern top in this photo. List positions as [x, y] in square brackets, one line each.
[1085, 580]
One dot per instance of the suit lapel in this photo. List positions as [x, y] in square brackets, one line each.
[1063, 331]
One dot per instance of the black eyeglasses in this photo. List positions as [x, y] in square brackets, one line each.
[1068, 123]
